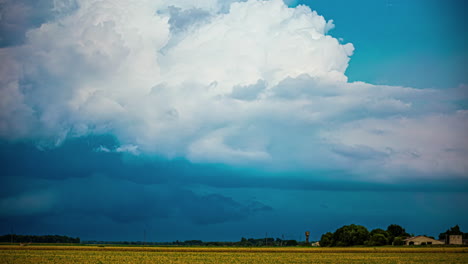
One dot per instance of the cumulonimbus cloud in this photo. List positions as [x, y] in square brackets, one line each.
[252, 83]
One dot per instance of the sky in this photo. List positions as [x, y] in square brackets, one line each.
[215, 120]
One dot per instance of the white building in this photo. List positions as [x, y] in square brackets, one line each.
[422, 240]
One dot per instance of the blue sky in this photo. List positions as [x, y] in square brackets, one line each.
[217, 120]
[397, 42]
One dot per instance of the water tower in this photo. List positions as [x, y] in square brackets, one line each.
[307, 234]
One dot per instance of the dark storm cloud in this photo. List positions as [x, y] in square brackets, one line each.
[78, 158]
[122, 201]
[216, 208]
[76, 179]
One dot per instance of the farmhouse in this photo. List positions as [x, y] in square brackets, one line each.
[422, 240]
[454, 240]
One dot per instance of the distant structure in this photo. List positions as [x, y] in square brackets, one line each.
[422, 240]
[454, 240]
[307, 234]
[316, 244]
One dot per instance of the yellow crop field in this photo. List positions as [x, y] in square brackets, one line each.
[178, 255]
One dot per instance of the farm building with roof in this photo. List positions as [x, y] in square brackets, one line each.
[422, 240]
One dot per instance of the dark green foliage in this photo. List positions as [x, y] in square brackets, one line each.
[350, 235]
[290, 243]
[354, 235]
[38, 239]
[398, 241]
[245, 243]
[396, 231]
[326, 240]
[251, 242]
[193, 242]
[379, 237]
[377, 240]
[380, 231]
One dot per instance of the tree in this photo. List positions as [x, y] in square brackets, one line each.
[396, 231]
[455, 230]
[39, 239]
[244, 242]
[398, 241]
[377, 240]
[326, 240]
[379, 237]
[350, 235]
[290, 243]
[380, 231]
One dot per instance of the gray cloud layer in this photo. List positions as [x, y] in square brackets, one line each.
[76, 181]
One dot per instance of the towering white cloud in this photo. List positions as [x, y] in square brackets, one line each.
[250, 83]
[257, 40]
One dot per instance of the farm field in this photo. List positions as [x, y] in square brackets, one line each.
[177, 255]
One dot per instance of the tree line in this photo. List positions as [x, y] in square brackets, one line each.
[354, 235]
[348, 235]
[244, 242]
[12, 238]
